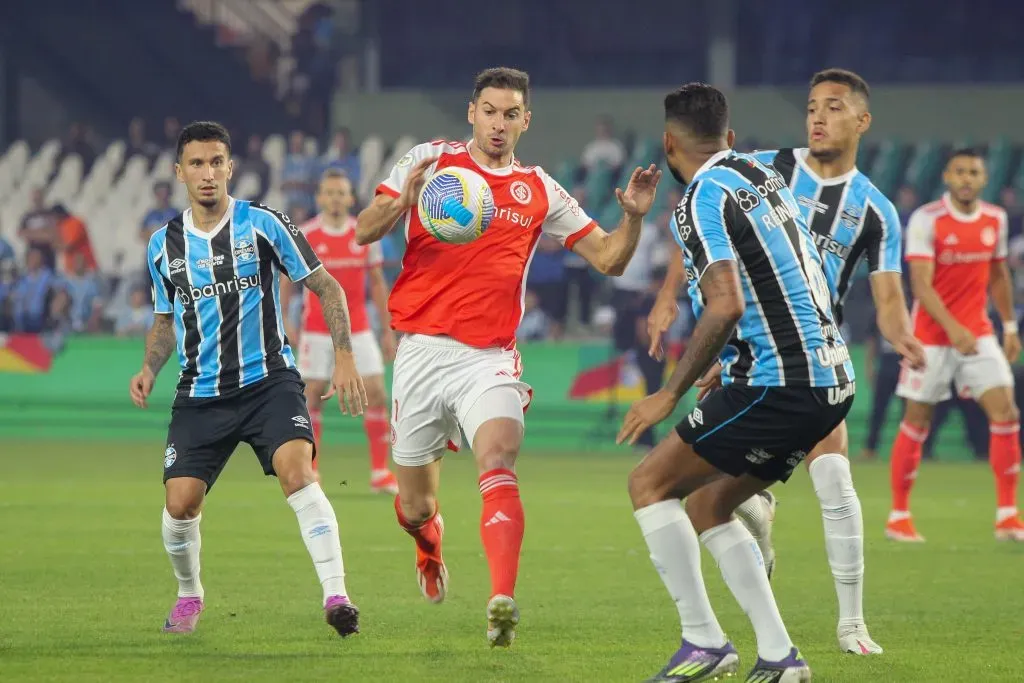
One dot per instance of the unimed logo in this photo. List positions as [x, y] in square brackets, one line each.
[239, 284]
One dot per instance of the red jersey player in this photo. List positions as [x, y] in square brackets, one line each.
[332, 236]
[459, 306]
[956, 248]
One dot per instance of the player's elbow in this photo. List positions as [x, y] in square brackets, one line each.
[612, 268]
[730, 308]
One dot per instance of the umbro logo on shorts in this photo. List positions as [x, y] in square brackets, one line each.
[300, 421]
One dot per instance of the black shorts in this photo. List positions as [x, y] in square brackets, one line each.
[764, 431]
[203, 434]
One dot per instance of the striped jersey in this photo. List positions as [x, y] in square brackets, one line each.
[222, 288]
[739, 209]
[849, 218]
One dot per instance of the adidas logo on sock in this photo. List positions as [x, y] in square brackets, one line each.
[498, 518]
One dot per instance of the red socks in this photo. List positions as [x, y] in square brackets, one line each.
[1004, 457]
[426, 535]
[501, 528]
[906, 456]
[375, 422]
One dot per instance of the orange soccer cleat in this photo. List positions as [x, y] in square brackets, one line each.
[1010, 529]
[903, 530]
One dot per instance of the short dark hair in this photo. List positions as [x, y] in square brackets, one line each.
[334, 173]
[853, 81]
[969, 152]
[701, 108]
[203, 131]
[504, 78]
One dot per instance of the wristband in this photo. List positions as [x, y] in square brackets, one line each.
[1010, 327]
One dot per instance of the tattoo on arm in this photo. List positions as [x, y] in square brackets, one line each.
[160, 342]
[720, 287]
[335, 307]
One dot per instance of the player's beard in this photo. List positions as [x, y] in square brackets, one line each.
[826, 154]
[677, 175]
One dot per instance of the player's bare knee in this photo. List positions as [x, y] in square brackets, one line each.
[417, 508]
[1002, 409]
[496, 444]
[293, 465]
[647, 487]
[183, 506]
[918, 415]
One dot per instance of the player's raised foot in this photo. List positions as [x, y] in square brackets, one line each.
[185, 615]
[342, 615]
[384, 481]
[792, 669]
[502, 619]
[691, 663]
[855, 640]
[902, 529]
[431, 572]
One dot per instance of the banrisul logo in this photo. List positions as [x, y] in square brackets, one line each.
[239, 284]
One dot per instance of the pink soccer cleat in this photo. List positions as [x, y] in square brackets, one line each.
[342, 615]
[184, 616]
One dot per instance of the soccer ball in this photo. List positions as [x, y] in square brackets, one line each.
[456, 205]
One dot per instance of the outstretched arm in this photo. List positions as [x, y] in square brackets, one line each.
[335, 308]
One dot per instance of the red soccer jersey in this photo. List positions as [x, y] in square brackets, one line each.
[963, 248]
[349, 263]
[474, 292]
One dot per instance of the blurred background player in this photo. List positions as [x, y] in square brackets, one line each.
[458, 368]
[763, 306]
[215, 282]
[332, 236]
[956, 249]
[850, 220]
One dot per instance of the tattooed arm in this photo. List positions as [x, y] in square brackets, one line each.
[346, 381]
[335, 308]
[723, 309]
[160, 344]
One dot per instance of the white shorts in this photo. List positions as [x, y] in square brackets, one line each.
[439, 386]
[973, 375]
[316, 355]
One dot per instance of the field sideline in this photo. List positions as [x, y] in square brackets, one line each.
[85, 585]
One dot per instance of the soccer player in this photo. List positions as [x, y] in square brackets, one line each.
[215, 271]
[332, 236]
[957, 248]
[763, 307]
[850, 220]
[459, 305]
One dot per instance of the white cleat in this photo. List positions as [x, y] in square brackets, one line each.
[855, 640]
[502, 619]
[757, 513]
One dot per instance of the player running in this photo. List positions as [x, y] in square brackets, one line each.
[332, 236]
[215, 286]
[459, 306]
[763, 308]
[850, 220]
[956, 248]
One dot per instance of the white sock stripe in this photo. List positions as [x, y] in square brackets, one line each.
[1003, 428]
[497, 482]
[919, 435]
[375, 414]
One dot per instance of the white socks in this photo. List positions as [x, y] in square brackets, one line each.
[675, 553]
[319, 529]
[844, 533]
[182, 542]
[742, 567]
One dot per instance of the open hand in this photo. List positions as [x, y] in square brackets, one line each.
[414, 182]
[639, 194]
[644, 414]
[347, 384]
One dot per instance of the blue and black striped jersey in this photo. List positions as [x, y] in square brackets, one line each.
[739, 209]
[223, 290]
[849, 218]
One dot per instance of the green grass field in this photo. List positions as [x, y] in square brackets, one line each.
[85, 585]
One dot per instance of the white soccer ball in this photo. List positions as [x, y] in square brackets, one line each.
[456, 205]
